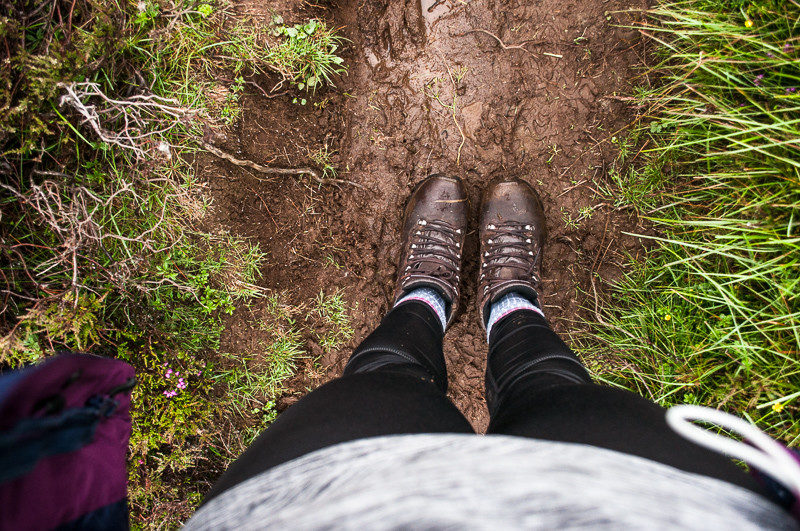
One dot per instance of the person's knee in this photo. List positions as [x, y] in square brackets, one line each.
[393, 360]
[523, 379]
[385, 362]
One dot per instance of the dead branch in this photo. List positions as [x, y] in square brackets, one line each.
[271, 94]
[74, 215]
[521, 46]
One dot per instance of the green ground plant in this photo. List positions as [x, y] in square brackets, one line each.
[103, 240]
[333, 311]
[307, 54]
[322, 158]
[255, 380]
[712, 316]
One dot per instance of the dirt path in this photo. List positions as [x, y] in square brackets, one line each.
[479, 89]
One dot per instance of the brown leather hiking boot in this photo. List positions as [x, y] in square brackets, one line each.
[511, 232]
[434, 229]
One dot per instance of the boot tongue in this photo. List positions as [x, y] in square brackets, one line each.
[434, 270]
[507, 273]
[513, 255]
[429, 249]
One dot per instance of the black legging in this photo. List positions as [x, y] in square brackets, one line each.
[395, 383]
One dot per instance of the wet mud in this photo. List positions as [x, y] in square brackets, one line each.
[476, 88]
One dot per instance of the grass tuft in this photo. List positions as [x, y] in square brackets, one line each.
[713, 315]
[333, 312]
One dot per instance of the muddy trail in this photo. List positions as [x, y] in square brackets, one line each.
[479, 89]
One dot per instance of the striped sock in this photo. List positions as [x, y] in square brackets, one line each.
[430, 297]
[510, 302]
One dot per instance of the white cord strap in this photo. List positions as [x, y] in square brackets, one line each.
[762, 452]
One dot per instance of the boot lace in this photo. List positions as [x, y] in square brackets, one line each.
[434, 252]
[508, 245]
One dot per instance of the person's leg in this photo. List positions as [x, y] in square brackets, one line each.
[535, 385]
[540, 390]
[395, 381]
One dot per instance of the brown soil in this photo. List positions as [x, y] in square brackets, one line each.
[479, 89]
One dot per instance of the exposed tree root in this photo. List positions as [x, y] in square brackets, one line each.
[271, 170]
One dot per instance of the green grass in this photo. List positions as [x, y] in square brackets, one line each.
[254, 380]
[322, 158]
[712, 316]
[333, 311]
[103, 240]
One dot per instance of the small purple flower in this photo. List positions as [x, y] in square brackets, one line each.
[757, 80]
[169, 373]
[788, 48]
[771, 55]
[791, 90]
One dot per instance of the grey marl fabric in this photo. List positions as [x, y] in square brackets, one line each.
[482, 482]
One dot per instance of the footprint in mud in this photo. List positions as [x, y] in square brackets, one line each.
[433, 10]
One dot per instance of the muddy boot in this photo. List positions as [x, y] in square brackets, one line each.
[512, 231]
[434, 229]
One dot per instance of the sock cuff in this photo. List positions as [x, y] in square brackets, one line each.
[430, 297]
[508, 303]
